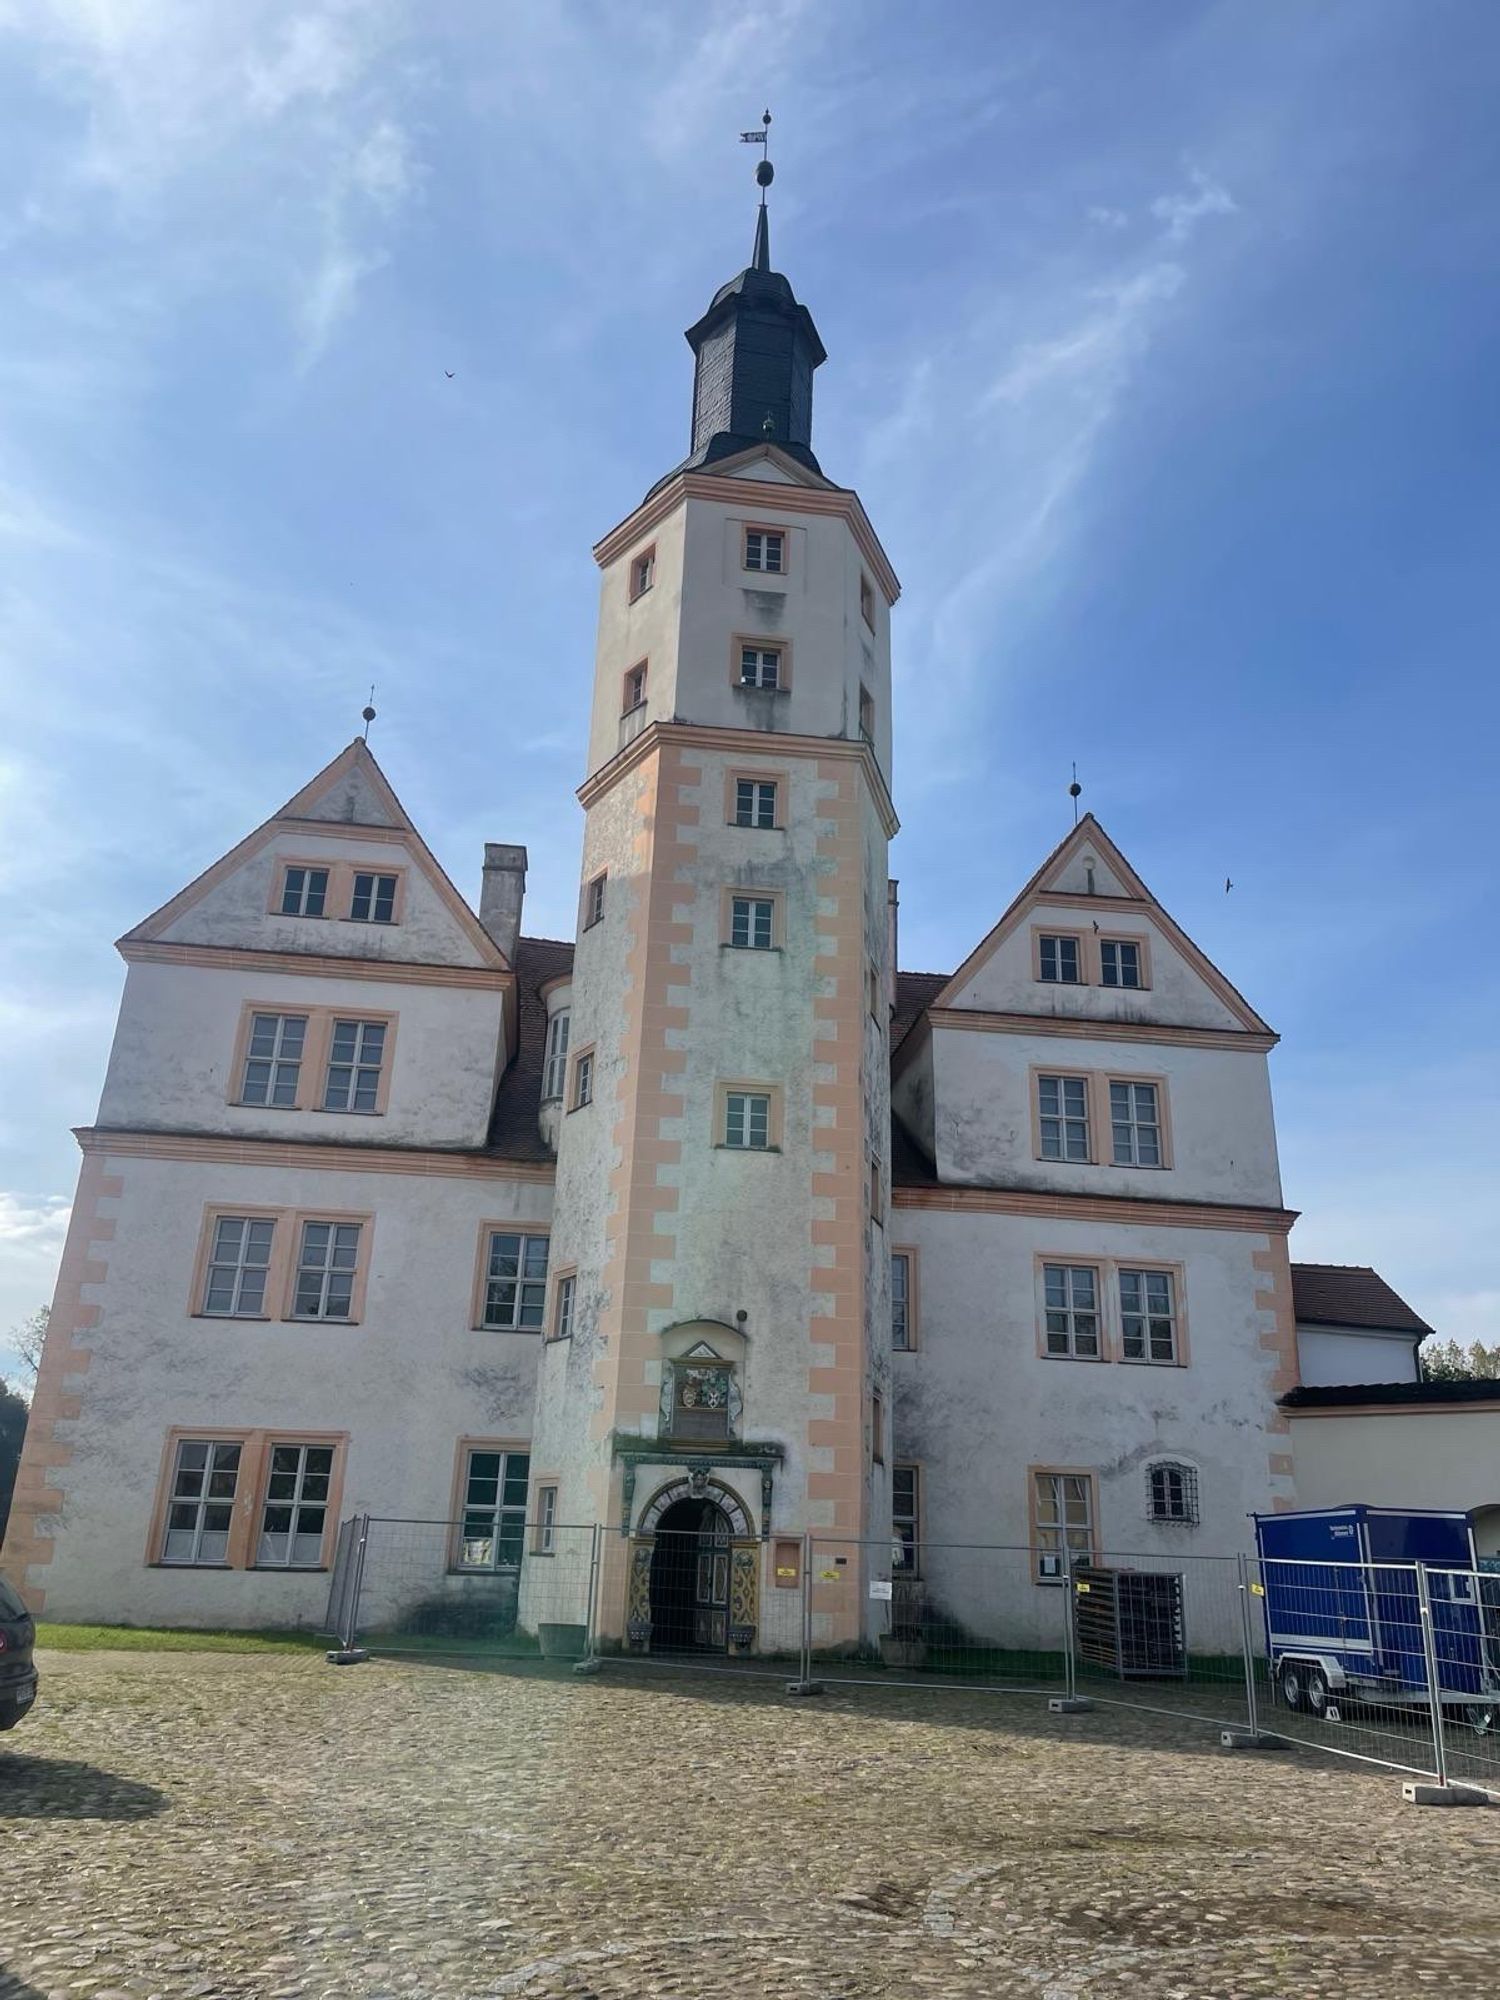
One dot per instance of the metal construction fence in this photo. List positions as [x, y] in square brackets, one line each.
[1395, 1664]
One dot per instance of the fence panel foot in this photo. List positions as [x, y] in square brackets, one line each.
[1445, 1795]
[804, 1687]
[1245, 1739]
[347, 1656]
[1070, 1704]
[587, 1666]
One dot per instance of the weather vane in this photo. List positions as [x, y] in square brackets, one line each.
[765, 173]
[368, 711]
[1073, 792]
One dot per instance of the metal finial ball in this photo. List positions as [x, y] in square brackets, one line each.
[368, 714]
[765, 173]
[1074, 789]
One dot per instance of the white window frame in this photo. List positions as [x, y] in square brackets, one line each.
[756, 662]
[254, 1232]
[751, 812]
[1063, 1539]
[354, 1072]
[866, 715]
[339, 1261]
[1071, 1297]
[593, 901]
[527, 1283]
[760, 545]
[745, 1112]
[501, 1523]
[1115, 955]
[642, 573]
[379, 890]
[906, 1523]
[752, 923]
[1068, 1115]
[1061, 943]
[1160, 1505]
[282, 1067]
[1132, 1135]
[583, 1079]
[202, 1500]
[1140, 1319]
[546, 1520]
[313, 884]
[309, 1494]
[555, 1064]
[901, 1303]
[565, 1306]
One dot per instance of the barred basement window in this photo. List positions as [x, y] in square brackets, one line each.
[1172, 1492]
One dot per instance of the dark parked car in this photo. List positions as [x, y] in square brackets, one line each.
[17, 1668]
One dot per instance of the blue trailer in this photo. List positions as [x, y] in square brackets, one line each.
[1343, 1610]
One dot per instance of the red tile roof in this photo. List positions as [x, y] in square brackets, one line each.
[1350, 1295]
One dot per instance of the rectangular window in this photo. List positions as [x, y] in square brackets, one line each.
[642, 573]
[747, 1120]
[1135, 1124]
[875, 1191]
[877, 1430]
[356, 1050]
[593, 902]
[583, 1079]
[1058, 960]
[1172, 1493]
[200, 1505]
[1063, 1505]
[873, 991]
[867, 601]
[238, 1265]
[1119, 962]
[374, 899]
[900, 1301]
[1148, 1316]
[304, 892]
[760, 666]
[493, 1533]
[327, 1261]
[1070, 1302]
[296, 1506]
[555, 1070]
[867, 715]
[755, 802]
[765, 550]
[1063, 1117]
[635, 688]
[906, 1519]
[515, 1281]
[546, 1521]
[273, 1060]
[750, 922]
[562, 1312]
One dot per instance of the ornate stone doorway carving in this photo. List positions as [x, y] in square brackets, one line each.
[694, 1572]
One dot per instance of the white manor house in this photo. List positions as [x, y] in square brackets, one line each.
[709, 1221]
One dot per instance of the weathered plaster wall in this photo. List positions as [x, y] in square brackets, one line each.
[173, 1061]
[1223, 1135]
[406, 1383]
[1401, 1458]
[1332, 1355]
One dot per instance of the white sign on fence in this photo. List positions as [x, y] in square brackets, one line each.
[880, 1586]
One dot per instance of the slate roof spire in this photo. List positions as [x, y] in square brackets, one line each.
[754, 352]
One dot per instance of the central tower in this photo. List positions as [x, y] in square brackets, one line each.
[718, 1339]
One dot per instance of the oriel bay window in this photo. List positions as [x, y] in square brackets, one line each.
[492, 1531]
[555, 1070]
[515, 1281]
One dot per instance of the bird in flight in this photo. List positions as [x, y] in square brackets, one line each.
[449, 373]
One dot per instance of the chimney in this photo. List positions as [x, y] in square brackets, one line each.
[892, 909]
[501, 893]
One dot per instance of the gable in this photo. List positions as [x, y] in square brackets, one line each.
[346, 822]
[1086, 891]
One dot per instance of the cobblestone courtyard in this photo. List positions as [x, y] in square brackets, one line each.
[204, 1825]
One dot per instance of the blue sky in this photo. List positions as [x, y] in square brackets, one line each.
[1162, 352]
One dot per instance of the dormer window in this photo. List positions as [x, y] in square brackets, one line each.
[642, 573]
[374, 899]
[765, 550]
[304, 892]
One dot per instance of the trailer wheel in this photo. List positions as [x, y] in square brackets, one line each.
[1289, 1683]
[1317, 1690]
[1481, 1717]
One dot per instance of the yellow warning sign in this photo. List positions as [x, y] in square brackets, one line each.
[1083, 1589]
[1257, 1590]
[829, 1575]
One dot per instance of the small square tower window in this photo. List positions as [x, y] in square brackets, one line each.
[635, 689]
[755, 802]
[760, 667]
[747, 1120]
[593, 902]
[867, 601]
[752, 922]
[642, 573]
[765, 550]
[866, 715]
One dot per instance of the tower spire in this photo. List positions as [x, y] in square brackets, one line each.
[765, 173]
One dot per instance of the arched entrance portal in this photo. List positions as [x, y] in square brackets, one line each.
[690, 1579]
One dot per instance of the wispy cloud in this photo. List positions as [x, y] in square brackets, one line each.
[1184, 211]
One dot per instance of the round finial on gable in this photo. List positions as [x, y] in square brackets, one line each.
[765, 173]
